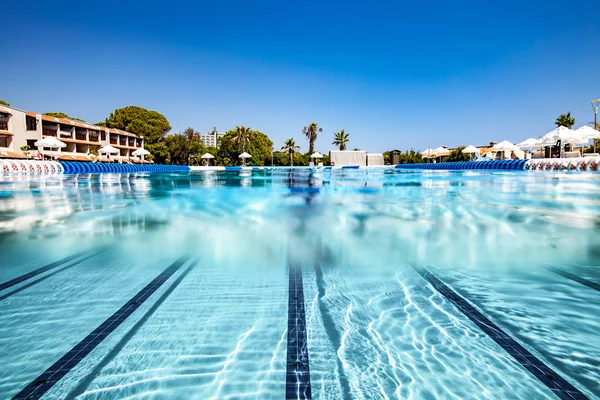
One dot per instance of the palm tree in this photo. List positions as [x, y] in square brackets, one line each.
[290, 146]
[242, 135]
[341, 138]
[565, 120]
[311, 134]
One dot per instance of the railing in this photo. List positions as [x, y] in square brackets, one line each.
[113, 141]
[4, 125]
[80, 136]
[94, 138]
[49, 132]
[66, 134]
[123, 142]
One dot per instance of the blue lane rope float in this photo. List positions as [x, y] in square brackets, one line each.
[75, 167]
[513, 165]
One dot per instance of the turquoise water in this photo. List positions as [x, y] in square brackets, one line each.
[375, 328]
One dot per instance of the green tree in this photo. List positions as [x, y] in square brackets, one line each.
[565, 120]
[341, 138]
[259, 147]
[458, 155]
[243, 136]
[5, 103]
[290, 147]
[311, 131]
[151, 125]
[159, 152]
[62, 115]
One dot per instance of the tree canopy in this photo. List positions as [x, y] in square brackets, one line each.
[565, 120]
[151, 125]
[4, 103]
[311, 131]
[340, 139]
[291, 147]
[259, 147]
[62, 115]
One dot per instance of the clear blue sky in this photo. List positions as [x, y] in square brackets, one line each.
[392, 74]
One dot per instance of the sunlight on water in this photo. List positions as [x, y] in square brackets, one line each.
[375, 328]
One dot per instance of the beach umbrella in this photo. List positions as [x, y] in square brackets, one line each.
[50, 142]
[207, 156]
[440, 152]
[471, 150]
[108, 150]
[316, 154]
[428, 153]
[528, 144]
[503, 146]
[561, 133]
[244, 156]
[140, 152]
[589, 133]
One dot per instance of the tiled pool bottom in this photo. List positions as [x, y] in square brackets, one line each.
[193, 291]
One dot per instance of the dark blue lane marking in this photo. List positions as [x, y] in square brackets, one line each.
[558, 385]
[56, 372]
[297, 382]
[38, 271]
[43, 278]
[575, 278]
[87, 380]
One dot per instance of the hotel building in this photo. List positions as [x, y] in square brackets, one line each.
[19, 128]
[211, 139]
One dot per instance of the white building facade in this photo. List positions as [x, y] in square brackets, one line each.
[20, 128]
[211, 139]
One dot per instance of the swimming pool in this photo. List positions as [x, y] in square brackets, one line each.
[279, 283]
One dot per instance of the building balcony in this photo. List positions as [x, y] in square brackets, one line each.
[49, 132]
[3, 125]
[81, 136]
[113, 141]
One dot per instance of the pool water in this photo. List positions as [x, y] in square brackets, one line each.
[298, 283]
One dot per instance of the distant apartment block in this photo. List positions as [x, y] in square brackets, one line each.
[211, 139]
[19, 128]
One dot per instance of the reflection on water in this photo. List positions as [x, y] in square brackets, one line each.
[375, 329]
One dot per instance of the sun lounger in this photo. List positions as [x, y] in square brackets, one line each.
[591, 155]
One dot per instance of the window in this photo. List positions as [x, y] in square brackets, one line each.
[31, 143]
[31, 123]
[4, 122]
[3, 141]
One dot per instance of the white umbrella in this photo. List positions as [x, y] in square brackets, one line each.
[50, 142]
[244, 156]
[561, 133]
[588, 132]
[207, 155]
[428, 153]
[504, 146]
[108, 149]
[140, 152]
[528, 144]
[441, 151]
[471, 150]
[316, 154]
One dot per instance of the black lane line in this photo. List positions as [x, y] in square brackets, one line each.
[43, 278]
[88, 379]
[39, 386]
[575, 278]
[553, 381]
[297, 382]
[38, 271]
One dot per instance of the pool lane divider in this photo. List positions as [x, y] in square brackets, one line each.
[297, 382]
[39, 271]
[43, 278]
[578, 279]
[39, 386]
[546, 375]
[90, 376]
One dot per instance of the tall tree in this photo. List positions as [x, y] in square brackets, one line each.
[311, 134]
[151, 125]
[565, 120]
[341, 138]
[4, 103]
[290, 147]
[259, 147]
[242, 136]
[458, 155]
[62, 115]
